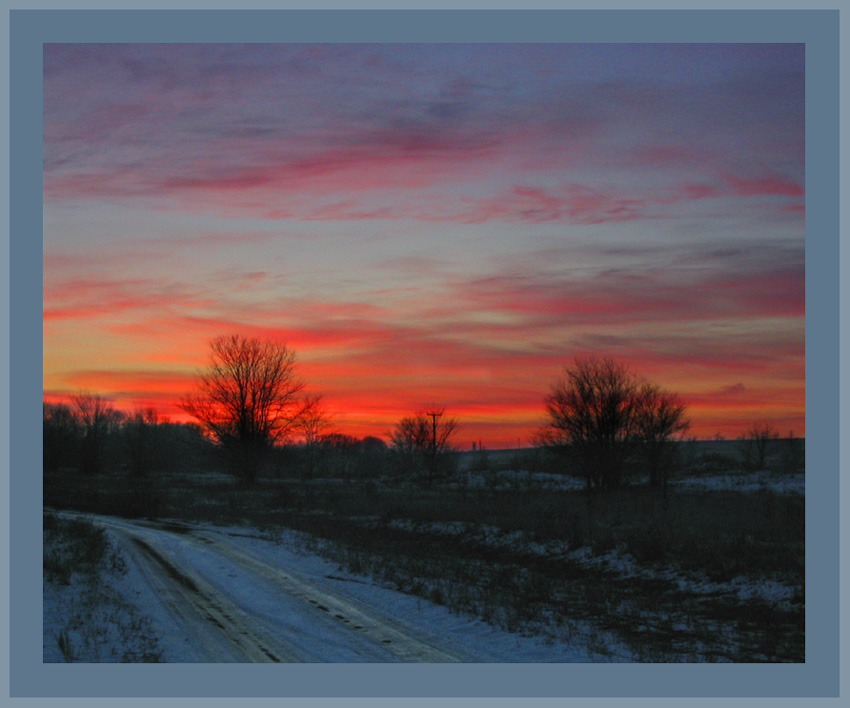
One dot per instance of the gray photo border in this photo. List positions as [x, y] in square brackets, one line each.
[817, 677]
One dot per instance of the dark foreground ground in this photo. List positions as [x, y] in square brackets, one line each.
[712, 571]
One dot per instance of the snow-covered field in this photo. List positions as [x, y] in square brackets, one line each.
[615, 562]
[178, 592]
[214, 594]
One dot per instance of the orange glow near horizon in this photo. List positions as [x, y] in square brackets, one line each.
[487, 414]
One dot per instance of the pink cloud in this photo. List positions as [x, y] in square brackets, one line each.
[398, 159]
[573, 203]
[666, 155]
[212, 239]
[732, 186]
[625, 297]
[402, 174]
[276, 189]
[739, 396]
[768, 185]
[698, 191]
[72, 299]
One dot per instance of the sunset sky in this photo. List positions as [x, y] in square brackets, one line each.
[429, 223]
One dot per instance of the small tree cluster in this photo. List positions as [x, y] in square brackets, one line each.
[88, 434]
[61, 435]
[314, 427]
[603, 420]
[81, 434]
[422, 443]
[98, 419]
[340, 456]
[754, 445]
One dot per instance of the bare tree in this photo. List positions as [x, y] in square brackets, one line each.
[660, 420]
[592, 419]
[97, 419]
[754, 444]
[600, 415]
[424, 440]
[313, 426]
[247, 399]
[140, 434]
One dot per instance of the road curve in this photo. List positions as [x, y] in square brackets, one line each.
[229, 604]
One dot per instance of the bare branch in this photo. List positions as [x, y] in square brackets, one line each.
[247, 399]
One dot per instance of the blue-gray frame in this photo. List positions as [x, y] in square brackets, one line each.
[818, 676]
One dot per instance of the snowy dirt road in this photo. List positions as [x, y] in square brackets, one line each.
[219, 596]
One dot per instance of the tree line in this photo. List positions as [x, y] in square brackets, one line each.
[602, 422]
[90, 435]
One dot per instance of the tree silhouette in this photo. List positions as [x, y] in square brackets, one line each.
[61, 436]
[97, 419]
[142, 440]
[313, 426]
[754, 445]
[592, 419]
[660, 419]
[600, 415]
[424, 439]
[247, 399]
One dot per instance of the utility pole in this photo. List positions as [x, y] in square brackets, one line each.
[434, 413]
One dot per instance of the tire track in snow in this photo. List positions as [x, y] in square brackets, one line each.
[400, 641]
[229, 628]
[211, 610]
[219, 626]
